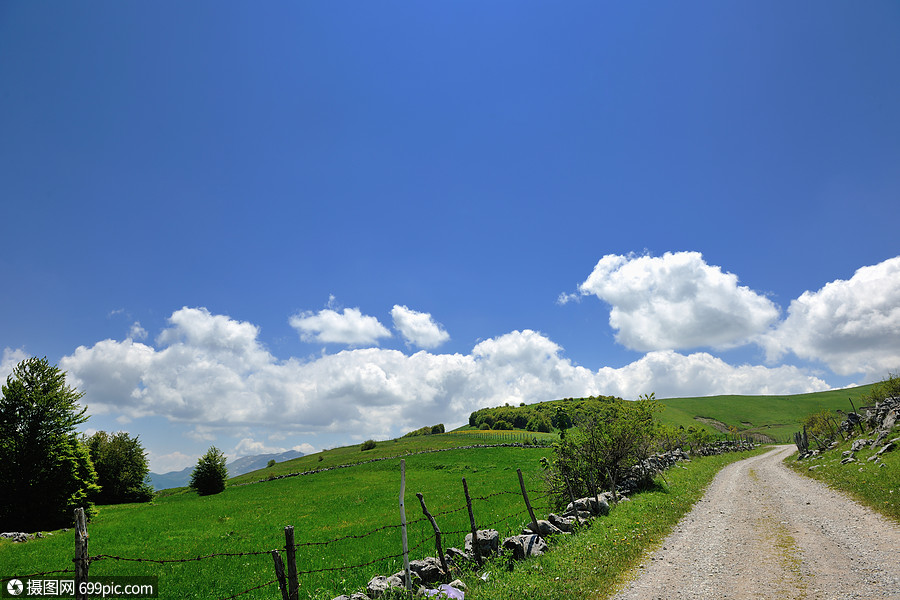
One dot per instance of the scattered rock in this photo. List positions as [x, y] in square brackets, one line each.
[523, 546]
[545, 528]
[488, 542]
[428, 570]
[379, 584]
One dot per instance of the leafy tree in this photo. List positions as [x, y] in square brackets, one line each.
[45, 470]
[368, 445]
[210, 473]
[121, 464]
[562, 421]
[271, 463]
[604, 447]
[439, 428]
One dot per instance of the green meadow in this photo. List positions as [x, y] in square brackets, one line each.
[248, 519]
[321, 507]
[776, 417]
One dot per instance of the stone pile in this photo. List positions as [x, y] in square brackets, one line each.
[724, 446]
[516, 547]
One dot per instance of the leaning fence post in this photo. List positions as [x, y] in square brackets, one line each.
[293, 582]
[475, 549]
[82, 559]
[403, 524]
[572, 496]
[534, 523]
[437, 534]
[279, 572]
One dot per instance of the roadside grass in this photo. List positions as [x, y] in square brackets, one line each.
[594, 563]
[870, 483]
[321, 507]
[775, 416]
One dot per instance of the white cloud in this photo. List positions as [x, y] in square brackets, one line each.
[304, 448]
[250, 447]
[137, 332]
[672, 375]
[166, 463]
[10, 359]
[211, 371]
[418, 327]
[350, 327]
[676, 301]
[852, 326]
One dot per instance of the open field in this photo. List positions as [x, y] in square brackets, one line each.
[321, 507]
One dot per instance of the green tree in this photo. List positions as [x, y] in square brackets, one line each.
[121, 465]
[562, 421]
[45, 470]
[617, 435]
[210, 473]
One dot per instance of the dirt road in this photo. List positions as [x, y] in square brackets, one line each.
[764, 532]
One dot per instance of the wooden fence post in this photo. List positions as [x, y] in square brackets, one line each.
[403, 524]
[293, 582]
[534, 523]
[437, 534]
[572, 496]
[475, 549]
[279, 572]
[82, 559]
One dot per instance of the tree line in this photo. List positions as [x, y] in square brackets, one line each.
[47, 469]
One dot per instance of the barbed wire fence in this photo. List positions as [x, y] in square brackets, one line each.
[284, 560]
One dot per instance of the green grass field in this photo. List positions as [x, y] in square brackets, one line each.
[352, 501]
[321, 507]
[777, 417]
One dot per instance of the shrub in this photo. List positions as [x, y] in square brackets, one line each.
[368, 445]
[271, 463]
[210, 473]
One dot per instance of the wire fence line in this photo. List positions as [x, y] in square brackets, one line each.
[421, 538]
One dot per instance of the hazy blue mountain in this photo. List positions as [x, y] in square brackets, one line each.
[161, 481]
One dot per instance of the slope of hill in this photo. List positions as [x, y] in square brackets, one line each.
[770, 418]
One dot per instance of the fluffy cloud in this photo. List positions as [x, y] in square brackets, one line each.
[350, 327]
[211, 371]
[673, 375]
[418, 328]
[9, 361]
[853, 326]
[676, 301]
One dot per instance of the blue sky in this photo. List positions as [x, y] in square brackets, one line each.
[299, 225]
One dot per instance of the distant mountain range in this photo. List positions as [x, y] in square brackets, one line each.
[161, 481]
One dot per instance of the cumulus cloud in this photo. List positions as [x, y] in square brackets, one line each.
[852, 326]
[9, 361]
[676, 301]
[418, 327]
[349, 327]
[211, 371]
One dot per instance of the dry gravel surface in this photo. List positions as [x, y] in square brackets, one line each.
[765, 532]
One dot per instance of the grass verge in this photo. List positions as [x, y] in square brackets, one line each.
[595, 562]
[875, 484]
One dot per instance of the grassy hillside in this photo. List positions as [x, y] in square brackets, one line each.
[775, 416]
[321, 507]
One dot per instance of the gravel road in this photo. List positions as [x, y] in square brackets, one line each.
[764, 532]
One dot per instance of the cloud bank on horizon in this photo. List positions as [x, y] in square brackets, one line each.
[212, 371]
